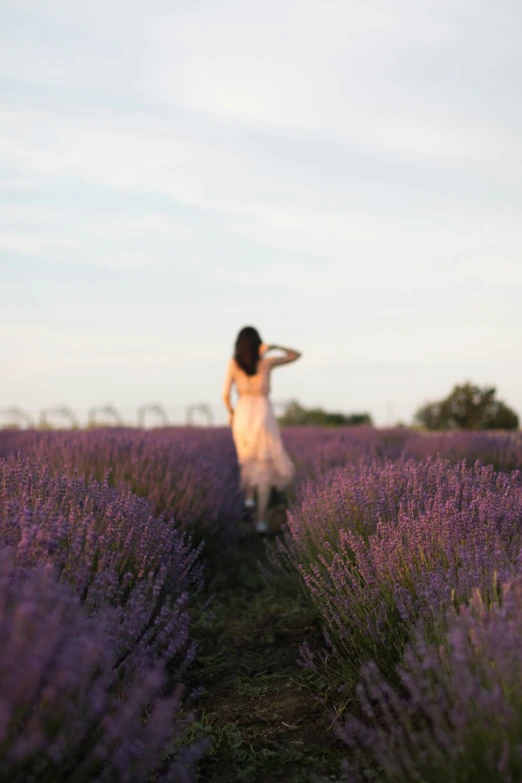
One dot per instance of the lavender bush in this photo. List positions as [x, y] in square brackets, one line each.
[316, 451]
[454, 529]
[63, 713]
[502, 450]
[457, 713]
[189, 474]
[357, 497]
[132, 568]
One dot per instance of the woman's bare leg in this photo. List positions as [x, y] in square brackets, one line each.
[249, 505]
[263, 498]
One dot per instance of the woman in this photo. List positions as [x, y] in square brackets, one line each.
[262, 458]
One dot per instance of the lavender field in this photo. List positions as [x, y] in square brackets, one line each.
[146, 634]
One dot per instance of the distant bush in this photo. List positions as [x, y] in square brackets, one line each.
[468, 407]
[296, 415]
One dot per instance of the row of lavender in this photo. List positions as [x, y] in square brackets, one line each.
[416, 568]
[101, 537]
[152, 463]
[100, 534]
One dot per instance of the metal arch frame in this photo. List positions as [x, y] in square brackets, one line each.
[108, 410]
[201, 408]
[152, 408]
[61, 410]
[18, 414]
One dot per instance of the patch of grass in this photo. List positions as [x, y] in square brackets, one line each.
[233, 756]
[264, 720]
[255, 685]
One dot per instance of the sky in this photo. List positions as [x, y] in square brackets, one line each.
[345, 176]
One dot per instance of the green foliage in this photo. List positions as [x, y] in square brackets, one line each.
[468, 407]
[296, 415]
[258, 710]
[231, 746]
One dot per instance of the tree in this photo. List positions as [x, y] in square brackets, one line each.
[296, 415]
[468, 407]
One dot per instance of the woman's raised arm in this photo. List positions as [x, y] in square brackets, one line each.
[290, 355]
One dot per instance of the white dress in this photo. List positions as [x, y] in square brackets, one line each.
[260, 452]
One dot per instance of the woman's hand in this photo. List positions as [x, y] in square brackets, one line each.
[290, 355]
[263, 348]
[230, 418]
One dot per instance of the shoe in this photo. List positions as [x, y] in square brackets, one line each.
[262, 526]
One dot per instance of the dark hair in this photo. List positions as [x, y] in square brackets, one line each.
[246, 351]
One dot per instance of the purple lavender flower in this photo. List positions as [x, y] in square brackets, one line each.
[455, 714]
[64, 715]
[190, 475]
[133, 569]
[381, 546]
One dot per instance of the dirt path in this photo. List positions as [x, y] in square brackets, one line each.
[259, 707]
